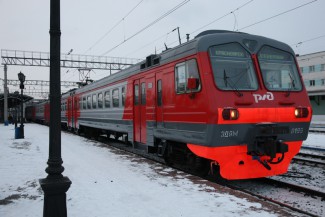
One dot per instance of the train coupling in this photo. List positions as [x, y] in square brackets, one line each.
[267, 144]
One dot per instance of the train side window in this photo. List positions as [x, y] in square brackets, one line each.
[136, 94]
[180, 75]
[84, 103]
[88, 102]
[159, 93]
[100, 100]
[184, 71]
[115, 96]
[107, 99]
[143, 93]
[94, 102]
[80, 103]
[123, 96]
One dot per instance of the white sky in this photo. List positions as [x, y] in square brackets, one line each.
[25, 25]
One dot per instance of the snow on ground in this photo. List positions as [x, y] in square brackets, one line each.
[316, 140]
[318, 119]
[105, 182]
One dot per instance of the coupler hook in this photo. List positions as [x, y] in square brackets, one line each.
[264, 162]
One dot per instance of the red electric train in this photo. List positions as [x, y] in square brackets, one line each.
[229, 101]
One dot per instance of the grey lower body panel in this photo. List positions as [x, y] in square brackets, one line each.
[211, 135]
[122, 126]
[214, 135]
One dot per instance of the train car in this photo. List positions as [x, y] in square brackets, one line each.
[41, 112]
[229, 101]
[30, 113]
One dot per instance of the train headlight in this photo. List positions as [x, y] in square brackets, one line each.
[301, 112]
[230, 114]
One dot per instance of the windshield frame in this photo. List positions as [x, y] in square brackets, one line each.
[224, 76]
[277, 75]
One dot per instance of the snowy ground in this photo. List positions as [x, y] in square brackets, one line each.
[108, 182]
[316, 140]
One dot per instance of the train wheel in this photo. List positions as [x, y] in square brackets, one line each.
[199, 166]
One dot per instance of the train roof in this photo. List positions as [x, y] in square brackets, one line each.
[200, 43]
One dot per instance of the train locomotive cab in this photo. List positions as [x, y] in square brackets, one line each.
[259, 111]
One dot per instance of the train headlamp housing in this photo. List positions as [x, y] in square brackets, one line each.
[230, 114]
[301, 112]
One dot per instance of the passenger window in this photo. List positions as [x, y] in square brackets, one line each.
[184, 71]
[84, 103]
[94, 101]
[88, 102]
[123, 96]
[115, 95]
[100, 100]
[143, 93]
[107, 99]
[136, 94]
[159, 93]
[80, 103]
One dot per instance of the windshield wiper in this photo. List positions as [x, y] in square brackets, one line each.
[233, 85]
[291, 86]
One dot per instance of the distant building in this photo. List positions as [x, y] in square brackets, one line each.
[312, 67]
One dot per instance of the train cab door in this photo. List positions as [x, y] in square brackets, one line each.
[140, 123]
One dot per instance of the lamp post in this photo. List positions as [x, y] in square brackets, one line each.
[21, 78]
[55, 185]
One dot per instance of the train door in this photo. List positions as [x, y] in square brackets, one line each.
[159, 101]
[139, 88]
[69, 111]
[75, 109]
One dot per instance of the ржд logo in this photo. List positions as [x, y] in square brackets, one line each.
[267, 96]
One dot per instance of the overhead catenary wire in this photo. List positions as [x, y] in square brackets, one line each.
[308, 40]
[112, 28]
[279, 14]
[213, 21]
[165, 35]
[274, 16]
[108, 32]
[146, 27]
[223, 16]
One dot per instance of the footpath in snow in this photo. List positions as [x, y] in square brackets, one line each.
[109, 182]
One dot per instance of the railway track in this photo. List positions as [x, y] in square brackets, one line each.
[288, 195]
[322, 131]
[313, 196]
[318, 150]
[317, 128]
[310, 158]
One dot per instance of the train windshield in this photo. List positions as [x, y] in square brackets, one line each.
[279, 70]
[232, 67]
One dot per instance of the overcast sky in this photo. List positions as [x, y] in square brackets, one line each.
[25, 26]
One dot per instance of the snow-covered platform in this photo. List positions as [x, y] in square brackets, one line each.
[110, 182]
